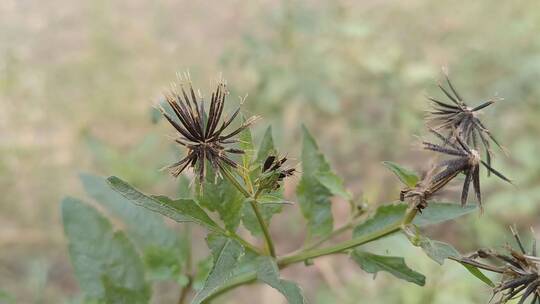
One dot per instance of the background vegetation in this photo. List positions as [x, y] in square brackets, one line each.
[78, 79]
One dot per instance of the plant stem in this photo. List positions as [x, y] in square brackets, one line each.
[254, 204]
[235, 182]
[306, 255]
[310, 254]
[185, 291]
[329, 236]
[269, 243]
[409, 216]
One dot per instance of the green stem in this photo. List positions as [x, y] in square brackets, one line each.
[409, 216]
[330, 236]
[286, 261]
[269, 243]
[235, 182]
[255, 206]
[310, 254]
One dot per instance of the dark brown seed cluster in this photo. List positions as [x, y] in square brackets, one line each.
[203, 132]
[458, 117]
[458, 128]
[519, 270]
[272, 173]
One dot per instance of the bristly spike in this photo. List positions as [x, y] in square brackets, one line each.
[199, 129]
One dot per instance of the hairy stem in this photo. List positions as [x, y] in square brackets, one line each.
[264, 227]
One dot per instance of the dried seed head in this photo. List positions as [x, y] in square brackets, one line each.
[460, 120]
[519, 269]
[202, 132]
[273, 173]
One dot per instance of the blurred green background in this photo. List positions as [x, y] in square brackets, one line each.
[78, 80]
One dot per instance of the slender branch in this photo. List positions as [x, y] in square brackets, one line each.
[329, 236]
[235, 182]
[286, 261]
[255, 207]
[310, 254]
[264, 227]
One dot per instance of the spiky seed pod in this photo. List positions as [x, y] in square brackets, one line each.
[465, 160]
[203, 132]
[460, 120]
[272, 173]
[519, 270]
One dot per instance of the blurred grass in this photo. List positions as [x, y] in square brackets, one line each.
[78, 79]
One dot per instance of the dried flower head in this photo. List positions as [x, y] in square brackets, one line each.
[426, 188]
[272, 173]
[465, 160]
[202, 132]
[519, 270]
[460, 120]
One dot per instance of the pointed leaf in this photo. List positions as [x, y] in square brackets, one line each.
[438, 251]
[406, 176]
[268, 272]
[373, 263]
[246, 144]
[182, 210]
[226, 252]
[316, 187]
[145, 227]
[479, 274]
[440, 212]
[266, 147]
[97, 251]
[392, 214]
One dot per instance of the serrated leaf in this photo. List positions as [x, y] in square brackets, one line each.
[313, 193]
[97, 251]
[392, 214]
[406, 176]
[182, 210]
[146, 228]
[438, 251]
[266, 147]
[221, 196]
[479, 274]
[226, 253]
[268, 272]
[396, 266]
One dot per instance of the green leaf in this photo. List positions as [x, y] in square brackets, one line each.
[97, 251]
[246, 144]
[220, 196]
[182, 210]
[316, 187]
[146, 228]
[226, 252]
[385, 216]
[269, 204]
[441, 212]
[266, 147]
[479, 274]
[392, 214]
[268, 272]
[373, 263]
[406, 176]
[438, 251]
